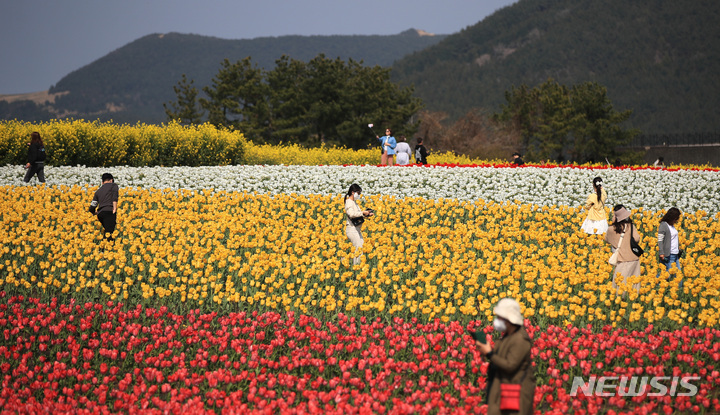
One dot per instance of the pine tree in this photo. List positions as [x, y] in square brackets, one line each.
[186, 109]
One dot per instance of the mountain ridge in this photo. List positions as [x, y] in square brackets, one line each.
[131, 83]
[658, 58]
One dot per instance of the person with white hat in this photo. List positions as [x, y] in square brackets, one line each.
[627, 264]
[511, 375]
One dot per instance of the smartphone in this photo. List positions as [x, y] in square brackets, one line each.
[479, 336]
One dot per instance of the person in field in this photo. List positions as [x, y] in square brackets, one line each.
[105, 204]
[355, 218]
[403, 151]
[388, 144]
[421, 152]
[517, 159]
[596, 221]
[669, 251]
[618, 236]
[511, 377]
[35, 159]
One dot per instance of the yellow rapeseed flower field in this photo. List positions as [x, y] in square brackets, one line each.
[95, 143]
[422, 258]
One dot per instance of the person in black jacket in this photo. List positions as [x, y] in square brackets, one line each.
[36, 159]
[104, 205]
[517, 159]
[420, 152]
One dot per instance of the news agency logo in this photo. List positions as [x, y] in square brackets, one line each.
[634, 386]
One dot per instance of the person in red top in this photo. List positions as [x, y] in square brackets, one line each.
[105, 204]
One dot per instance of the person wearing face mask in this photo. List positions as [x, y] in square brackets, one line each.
[354, 214]
[511, 376]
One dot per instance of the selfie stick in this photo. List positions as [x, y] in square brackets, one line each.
[370, 126]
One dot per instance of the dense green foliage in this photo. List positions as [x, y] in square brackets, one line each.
[658, 58]
[322, 101]
[131, 83]
[186, 109]
[559, 123]
[23, 110]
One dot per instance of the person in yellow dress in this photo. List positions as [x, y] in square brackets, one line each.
[596, 220]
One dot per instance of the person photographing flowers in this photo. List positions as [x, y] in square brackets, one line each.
[355, 218]
[511, 377]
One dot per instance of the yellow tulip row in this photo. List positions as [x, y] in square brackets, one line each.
[422, 258]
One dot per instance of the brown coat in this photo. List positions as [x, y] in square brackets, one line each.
[625, 254]
[513, 363]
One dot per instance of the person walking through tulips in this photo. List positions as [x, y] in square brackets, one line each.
[669, 251]
[596, 221]
[627, 264]
[355, 218]
[105, 204]
[35, 159]
[511, 377]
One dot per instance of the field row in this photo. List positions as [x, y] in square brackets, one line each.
[70, 357]
[427, 259]
[689, 190]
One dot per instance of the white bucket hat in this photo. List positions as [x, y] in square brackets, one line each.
[509, 309]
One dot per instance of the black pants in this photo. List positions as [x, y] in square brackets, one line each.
[108, 221]
[37, 167]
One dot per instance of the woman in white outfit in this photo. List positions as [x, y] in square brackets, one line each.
[353, 211]
[403, 151]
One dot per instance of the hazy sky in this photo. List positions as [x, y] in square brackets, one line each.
[43, 40]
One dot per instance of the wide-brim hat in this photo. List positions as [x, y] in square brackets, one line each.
[509, 309]
[622, 214]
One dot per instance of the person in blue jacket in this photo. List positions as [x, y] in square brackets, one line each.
[388, 144]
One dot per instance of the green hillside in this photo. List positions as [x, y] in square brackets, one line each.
[660, 58]
[131, 83]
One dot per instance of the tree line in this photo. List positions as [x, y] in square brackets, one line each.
[332, 101]
[320, 101]
[560, 123]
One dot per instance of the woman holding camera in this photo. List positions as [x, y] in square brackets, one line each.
[355, 218]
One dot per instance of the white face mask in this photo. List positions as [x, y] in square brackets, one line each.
[356, 195]
[499, 325]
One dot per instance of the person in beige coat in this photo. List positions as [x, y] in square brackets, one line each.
[353, 211]
[628, 264]
[510, 360]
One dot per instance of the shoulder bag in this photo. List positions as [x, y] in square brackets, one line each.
[614, 257]
[510, 395]
[634, 246]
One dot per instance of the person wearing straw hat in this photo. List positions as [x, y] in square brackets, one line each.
[511, 376]
[627, 263]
